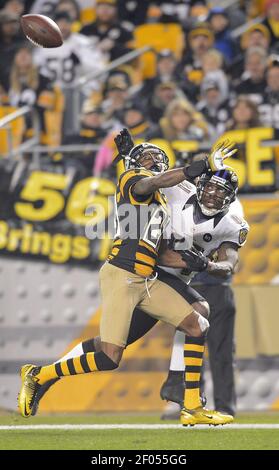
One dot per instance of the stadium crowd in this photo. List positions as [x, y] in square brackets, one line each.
[211, 69]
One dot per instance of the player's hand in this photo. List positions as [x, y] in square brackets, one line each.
[219, 153]
[195, 260]
[124, 142]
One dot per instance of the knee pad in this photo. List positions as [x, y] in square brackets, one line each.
[203, 324]
[103, 362]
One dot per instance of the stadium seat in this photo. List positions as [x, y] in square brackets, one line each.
[159, 36]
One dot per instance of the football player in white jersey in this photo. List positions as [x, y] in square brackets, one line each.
[213, 218]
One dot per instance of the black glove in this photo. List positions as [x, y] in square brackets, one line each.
[195, 260]
[124, 142]
[195, 169]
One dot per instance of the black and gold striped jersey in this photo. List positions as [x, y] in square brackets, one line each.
[140, 221]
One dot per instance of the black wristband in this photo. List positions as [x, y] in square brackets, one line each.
[195, 169]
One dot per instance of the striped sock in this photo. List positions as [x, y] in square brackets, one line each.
[90, 362]
[193, 358]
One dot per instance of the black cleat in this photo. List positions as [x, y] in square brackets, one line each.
[39, 395]
[173, 388]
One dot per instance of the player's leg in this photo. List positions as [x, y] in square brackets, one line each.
[175, 309]
[118, 303]
[173, 388]
[193, 359]
[141, 323]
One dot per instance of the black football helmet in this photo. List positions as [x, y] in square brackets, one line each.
[159, 157]
[216, 190]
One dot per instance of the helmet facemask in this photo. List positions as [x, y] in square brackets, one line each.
[145, 153]
[214, 194]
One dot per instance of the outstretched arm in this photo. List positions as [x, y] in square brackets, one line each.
[214, 161]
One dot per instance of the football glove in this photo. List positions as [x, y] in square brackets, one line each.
[124, 142]
[219, 153]
[195, 260]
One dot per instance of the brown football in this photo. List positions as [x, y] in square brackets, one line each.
[41, 30]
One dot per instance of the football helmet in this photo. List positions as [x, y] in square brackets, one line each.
[216, 190]
[134, 158]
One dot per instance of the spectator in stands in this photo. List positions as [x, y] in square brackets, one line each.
[168, 70]
[15, 7]
[272, 20]
[29, 87]
[10, 41]
[93, 130]
[116, 94]
[134, 119]
[166, 64]
[253, 80]
[180, 122]
[219, 22]
[201, 39]
[93, 126]
[73, 9]
[77, 57]
[245, 114]
[214, 106]
[212, 66]
[171, 11]
[164, 93]
[112, 38]
[256, 35]
[269, 109]
[132, 13]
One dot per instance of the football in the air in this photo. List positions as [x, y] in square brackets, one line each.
[41, 30]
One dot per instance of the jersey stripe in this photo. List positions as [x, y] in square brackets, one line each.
[146, 259]
[148, 247]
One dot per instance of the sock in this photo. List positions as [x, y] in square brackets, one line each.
[193, 358]
[76, 351]
[89, 362]
[177, 355]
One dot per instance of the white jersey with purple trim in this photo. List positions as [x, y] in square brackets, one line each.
[190, 227]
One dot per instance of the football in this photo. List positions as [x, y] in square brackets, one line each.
[41, 30]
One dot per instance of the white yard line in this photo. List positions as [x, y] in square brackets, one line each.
[99, 427]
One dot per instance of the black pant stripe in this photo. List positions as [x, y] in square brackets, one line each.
[193, 354]
[58, 369]
[191, 385]
[71, 367]
[195, 369]
[84, 363]
[192, 340]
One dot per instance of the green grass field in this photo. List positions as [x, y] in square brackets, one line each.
[136, 439]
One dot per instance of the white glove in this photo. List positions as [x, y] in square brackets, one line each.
[219, 153]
